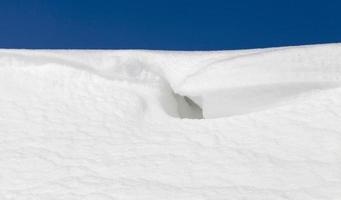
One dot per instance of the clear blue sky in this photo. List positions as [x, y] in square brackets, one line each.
[171, 25]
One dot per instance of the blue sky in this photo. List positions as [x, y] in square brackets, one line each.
[167, 25]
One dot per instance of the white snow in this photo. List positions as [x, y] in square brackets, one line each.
[91, 124]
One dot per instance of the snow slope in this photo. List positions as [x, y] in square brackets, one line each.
[85, 124]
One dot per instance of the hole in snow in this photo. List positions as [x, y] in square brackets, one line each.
[187, 108]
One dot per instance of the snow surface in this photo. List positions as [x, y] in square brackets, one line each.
[106, 125]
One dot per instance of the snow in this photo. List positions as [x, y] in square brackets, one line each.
[136, 124]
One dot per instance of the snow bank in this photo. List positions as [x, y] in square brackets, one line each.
[124, 124]
[261, 79]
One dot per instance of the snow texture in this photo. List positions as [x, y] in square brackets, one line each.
[107, 125]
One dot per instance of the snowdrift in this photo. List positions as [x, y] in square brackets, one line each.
[134, 124]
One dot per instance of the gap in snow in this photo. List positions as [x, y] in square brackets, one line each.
[187, 108]
[178, 106]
